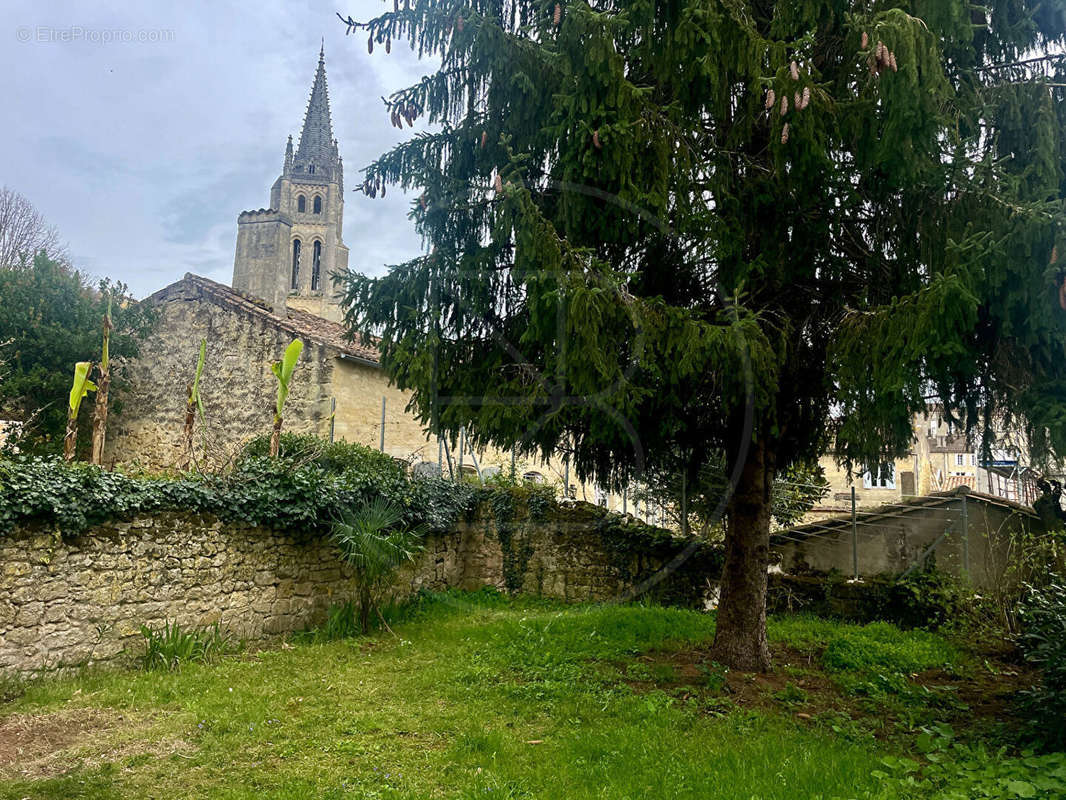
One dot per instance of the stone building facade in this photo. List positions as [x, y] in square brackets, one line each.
[282, 290]
[337, 389]
[286, 254]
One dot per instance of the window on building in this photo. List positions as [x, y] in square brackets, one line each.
[301, 203]
[960, 459]
[311, 169]
[533, 476]
[318, 204]
[884, 477]
[316, 265]
[295, 283]
[973, 459]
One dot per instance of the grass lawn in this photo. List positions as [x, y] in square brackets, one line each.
[478, 696]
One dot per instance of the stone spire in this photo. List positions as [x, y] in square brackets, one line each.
[317, 147]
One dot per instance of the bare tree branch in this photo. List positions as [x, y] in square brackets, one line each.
[24, 232]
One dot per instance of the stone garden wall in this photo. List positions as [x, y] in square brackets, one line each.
[69, 601]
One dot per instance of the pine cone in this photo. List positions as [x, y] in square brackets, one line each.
[784, 134]
[558, 14]
[865, 40]
[370, 44]
[1054, 254]
[422, 202]
[797, 101]
[806, 96]
[892, 61]
[795, 70]
[879, 51]
[596, 139]
[484, 138]
[784, 105]
[771, 98]
[388, 45]
[498, 183]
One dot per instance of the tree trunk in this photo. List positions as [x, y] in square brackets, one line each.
[187, 434]
[100, 417]
[275, 437]
[70, 440]
[740, 634]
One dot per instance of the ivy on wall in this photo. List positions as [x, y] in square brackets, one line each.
[304, 489]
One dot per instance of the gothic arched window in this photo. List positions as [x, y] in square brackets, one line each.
[301, 203]
[311, 169]
[295, 264]
[318, 204]
[316, 265]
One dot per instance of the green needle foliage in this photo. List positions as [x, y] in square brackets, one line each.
[375, 544]
[673, 234]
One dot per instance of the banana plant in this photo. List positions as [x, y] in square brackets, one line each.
[103, 387]
[194, 406]
[283, 371]
[81, 387]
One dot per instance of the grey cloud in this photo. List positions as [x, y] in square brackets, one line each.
[144, 153]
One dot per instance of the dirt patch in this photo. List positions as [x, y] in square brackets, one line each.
[799, 686]
[46, 745]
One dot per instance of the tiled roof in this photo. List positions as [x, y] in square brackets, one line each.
[300, 324]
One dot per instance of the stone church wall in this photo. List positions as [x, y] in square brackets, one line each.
[65, 602]
[237, 387]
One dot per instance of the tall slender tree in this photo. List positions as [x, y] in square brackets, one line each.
[727, 231]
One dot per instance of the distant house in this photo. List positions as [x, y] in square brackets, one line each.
[942, 459]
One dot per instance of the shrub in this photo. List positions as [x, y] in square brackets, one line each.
[953, 770]
[374, 543]
[1043, 643]
[307, 488]
[928, 599]
[173, 646]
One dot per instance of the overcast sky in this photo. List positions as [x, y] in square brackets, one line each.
[143, 153]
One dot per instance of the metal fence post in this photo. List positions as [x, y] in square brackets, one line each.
[381, 445]
[854, 537]
[965, 537]
[462, 445]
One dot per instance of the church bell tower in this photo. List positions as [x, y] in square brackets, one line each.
[286, 254]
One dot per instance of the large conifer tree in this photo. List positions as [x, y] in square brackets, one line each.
[685, 232]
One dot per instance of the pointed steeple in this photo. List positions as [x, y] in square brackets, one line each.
[316, 146]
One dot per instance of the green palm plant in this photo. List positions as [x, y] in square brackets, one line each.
[194, 406]
[81, 387]
[283, 371]
[375, 545]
